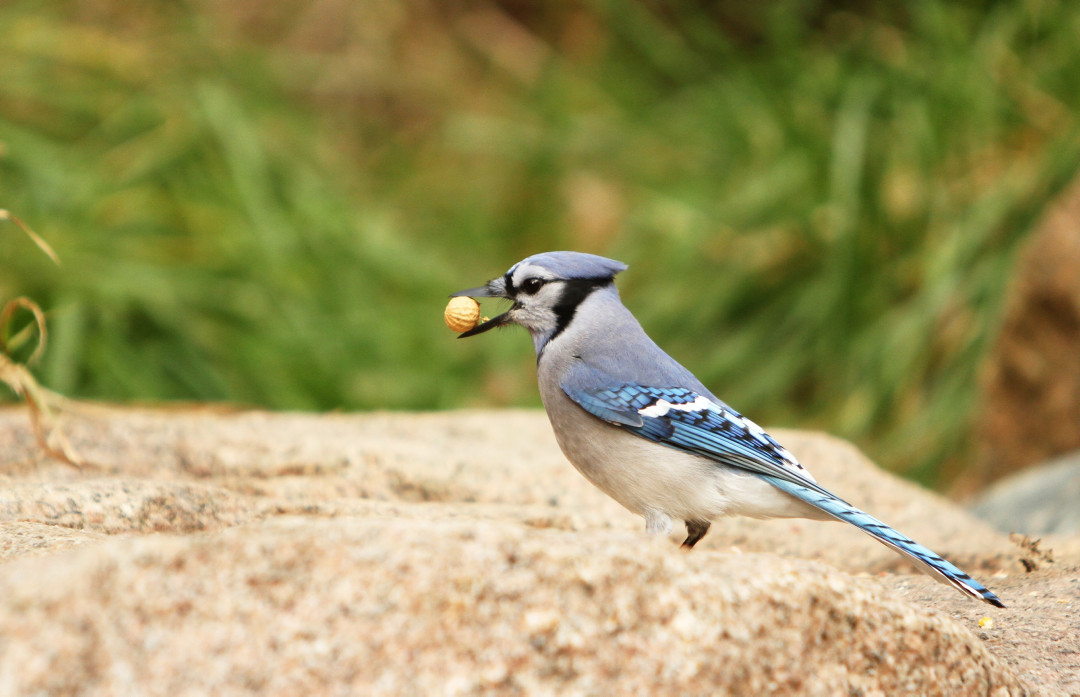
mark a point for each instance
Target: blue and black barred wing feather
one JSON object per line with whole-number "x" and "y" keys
{"x": 683, "y": 419}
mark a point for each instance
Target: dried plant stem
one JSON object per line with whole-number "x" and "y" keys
{"x": 41, "y": 243}
{"x": 42, "y": 403}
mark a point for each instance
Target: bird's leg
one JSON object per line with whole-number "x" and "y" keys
{"x": 658, "y": 523}
{"x": 695, "y": 530}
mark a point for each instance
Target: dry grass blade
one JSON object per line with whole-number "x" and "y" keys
{"x": 40, "y": 401}
{"x": 39, "y": 322}
{"x": 37, "y": 239}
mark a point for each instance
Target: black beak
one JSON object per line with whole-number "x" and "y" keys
{"x": 487, "y": 291}
{"x": 496, "y": 321}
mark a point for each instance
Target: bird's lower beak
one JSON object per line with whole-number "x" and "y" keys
{"x": 496, "y": 321}
{"x": 491, "y": 290}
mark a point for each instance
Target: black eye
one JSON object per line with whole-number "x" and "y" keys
{"x": 531, "y": 285}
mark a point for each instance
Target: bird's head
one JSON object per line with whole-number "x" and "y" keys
{"x": 545, "y": 290}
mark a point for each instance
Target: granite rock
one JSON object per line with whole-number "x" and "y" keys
{"x": 208, "y": 551}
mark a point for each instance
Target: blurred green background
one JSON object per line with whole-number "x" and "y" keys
{"x": 268, "y": 203}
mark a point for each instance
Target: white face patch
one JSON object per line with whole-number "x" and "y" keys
{"x": 662, "y": 407}
{"x": 546, "y": 301}
{"x": 535, "y": 311}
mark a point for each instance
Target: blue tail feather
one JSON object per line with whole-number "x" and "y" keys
{"x": 936, "y": 566}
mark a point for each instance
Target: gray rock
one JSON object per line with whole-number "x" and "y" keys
{"x": 1039, "y": 501}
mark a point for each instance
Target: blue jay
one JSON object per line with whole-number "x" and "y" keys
{"x": 645, "y": 431}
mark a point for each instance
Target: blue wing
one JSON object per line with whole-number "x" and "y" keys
{"x": 686, "y": 420}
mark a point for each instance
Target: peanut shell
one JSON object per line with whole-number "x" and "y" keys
{"x": 462, "y": 314}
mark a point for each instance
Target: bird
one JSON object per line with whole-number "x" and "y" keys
{"x": 644, "y": 430}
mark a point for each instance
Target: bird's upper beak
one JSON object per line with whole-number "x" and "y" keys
{"x": 493, "y": 289}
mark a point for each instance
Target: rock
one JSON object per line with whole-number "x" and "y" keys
{"x": 21, "y": 539}
{"x": 1037, "y": 501}
{"x": 114, "y": 506}
{"x": 1030, "y": 383}
{"x": 211, "y": 551}
{"x": 333, "y": 464}
{"x": 391, "y": 607}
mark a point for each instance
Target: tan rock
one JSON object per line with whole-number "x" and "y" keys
{"x": 21, "y": 539}
{"x": 117, "y": 506}
{"x": 460, "y": 551}
{"x": 396, "y": 607}
{"x": 313, "y": 463}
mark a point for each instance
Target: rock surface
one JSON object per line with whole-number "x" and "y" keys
{"x": 208, "y": 552}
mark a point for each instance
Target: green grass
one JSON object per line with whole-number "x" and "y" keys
{"x": 820, "y": 203}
